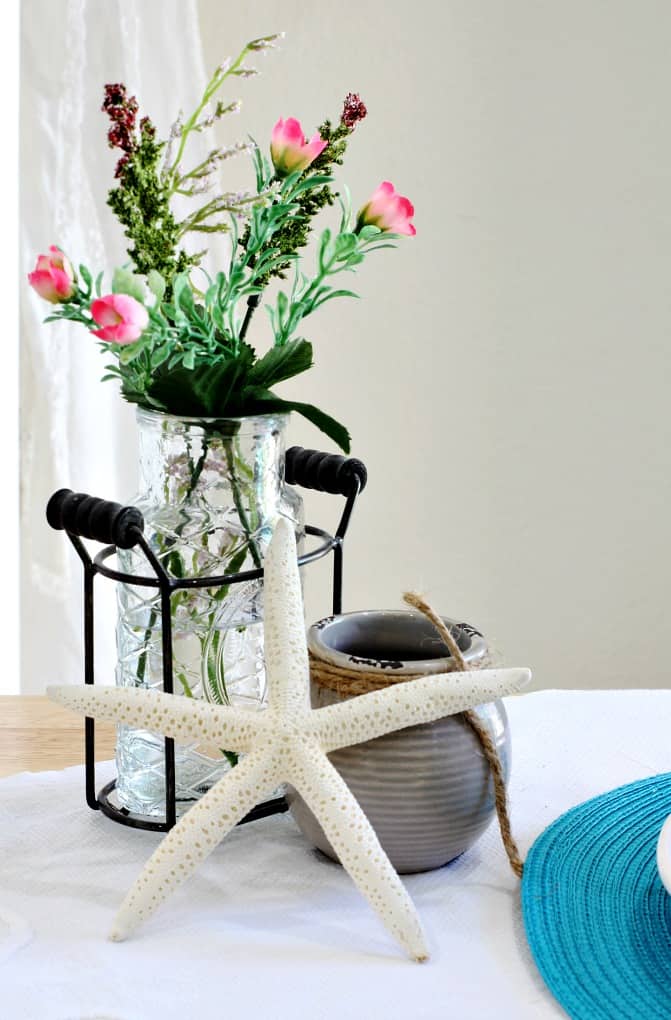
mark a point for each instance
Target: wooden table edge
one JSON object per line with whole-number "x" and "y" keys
{"x": 37, "y": 735}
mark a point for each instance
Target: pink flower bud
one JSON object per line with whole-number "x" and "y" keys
{"x": 121, "y": 317}
{"x": 289, "y": 149}
{"x": 53, "y": 276}
{"x": 387, "y": 210}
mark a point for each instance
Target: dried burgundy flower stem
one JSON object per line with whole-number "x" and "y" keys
{"x": 354, "y": 110}
{"x": 122, "y": 110}
{"x": 147, "y": 128}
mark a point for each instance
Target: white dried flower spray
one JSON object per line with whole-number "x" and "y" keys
{"x": 201, "y": 179}
{"x": 176, "y": 129}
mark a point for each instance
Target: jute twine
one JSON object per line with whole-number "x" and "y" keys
{"x": 350, "y": 683}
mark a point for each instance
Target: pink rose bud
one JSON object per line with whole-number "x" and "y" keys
{"x": 121, "y": 317}
{"x": 387, "y": 210}
{"x": 53, "y": 276}
{"x": 289, "y": 148}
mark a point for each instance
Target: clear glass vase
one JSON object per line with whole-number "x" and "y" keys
{"x": 210, "y": 491}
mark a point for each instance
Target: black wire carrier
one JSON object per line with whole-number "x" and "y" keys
{"x": 121, "y": 527}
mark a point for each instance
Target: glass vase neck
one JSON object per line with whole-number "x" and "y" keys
{"x": 187, "y": 459}
{"x": 248, "y": 425}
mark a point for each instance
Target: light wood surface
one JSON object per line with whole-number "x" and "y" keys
{"x": 37, "y": 735}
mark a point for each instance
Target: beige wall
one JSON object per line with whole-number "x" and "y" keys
{"x": 506, "y": 375}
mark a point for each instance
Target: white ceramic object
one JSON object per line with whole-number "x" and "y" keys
{"x": 664, "y": 854}
{"x": 288, "y": 742}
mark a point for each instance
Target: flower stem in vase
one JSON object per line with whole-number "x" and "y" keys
{"x": 176, "y": 566}
{"x": 237, "y": 500}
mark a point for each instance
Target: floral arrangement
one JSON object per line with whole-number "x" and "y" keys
{"x": 177, "y": 336}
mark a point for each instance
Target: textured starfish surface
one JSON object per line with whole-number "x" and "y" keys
{"x": 288, "y": 742}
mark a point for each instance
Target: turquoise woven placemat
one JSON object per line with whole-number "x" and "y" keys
{"x": 597, "y": 917}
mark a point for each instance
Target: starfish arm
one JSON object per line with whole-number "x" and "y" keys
{"x": 358, "y": 848}
{"x": 194, "y": 837}
{"x": 185, "y": 719}
{"x": 284, "y": 625}
{"x": 409, "y": 704}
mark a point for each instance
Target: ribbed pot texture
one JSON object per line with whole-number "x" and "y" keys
{"x": 427, "y": 790}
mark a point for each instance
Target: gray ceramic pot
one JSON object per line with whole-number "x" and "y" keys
{"x": 426, "y": 790}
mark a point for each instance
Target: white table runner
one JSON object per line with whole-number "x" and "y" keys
{"x": 269, "y": 929}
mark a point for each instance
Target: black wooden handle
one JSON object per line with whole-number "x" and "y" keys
{"x": 91, "y": 517}
{"x": 325, "y": 472}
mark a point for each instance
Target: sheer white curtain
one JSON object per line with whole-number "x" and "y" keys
{"x": 9, "y": 441}
{"x": 76, "y": 431}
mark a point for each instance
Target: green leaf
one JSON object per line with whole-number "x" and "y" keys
{"x": 325, "y": 423}
{"x": 261, "y": 167}
{"x": 333, "y": 294}
{"x": 317, "y": 181}
{"x": 86, "y": 277}
{"x": 324, "y": 242}
{"x": 375, "y": 247}
{"x": 208, "y": 390}
{"x": 156, "y": 284}
{"x": 345, "y": 203}
{"x": 281, "y": 363}
{"x": 99, "y": 283}
{"x": 267, "y": 402}
{"x": 129, "y": 352}
{"x": 158, "y": 356}
{"x": 368, "y": 232}
{"x": 345, "y": 244}
{"x": 282, "y": 306}
{"x": 289, "y": 183}
{"x": 183, "y": 295}
{"x": 125, "y": 282}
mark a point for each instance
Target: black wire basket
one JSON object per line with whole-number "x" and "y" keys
{"x": 121, "y": 527}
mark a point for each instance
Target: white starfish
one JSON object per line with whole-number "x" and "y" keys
{"x": 288, "y": 742}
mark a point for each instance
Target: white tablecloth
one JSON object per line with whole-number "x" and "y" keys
{"x": 269, "y": 929}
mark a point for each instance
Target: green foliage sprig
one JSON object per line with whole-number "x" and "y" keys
{"x": 151, "y": 173}
{"x": 141, "y": 203}
{"x": 315, "y": 196}
{"x": 193, "y": 360}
